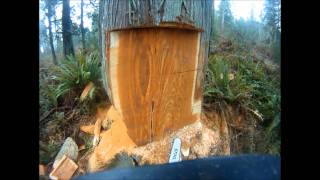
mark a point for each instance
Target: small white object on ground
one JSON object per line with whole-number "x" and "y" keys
{"x": 175, "y": 151}
{"x": 96, "y": 140}
{"x": 185, "y": 152}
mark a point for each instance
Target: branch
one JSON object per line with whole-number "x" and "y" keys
{"x": 42, "y": 119}
{"x": 93, "y": 3}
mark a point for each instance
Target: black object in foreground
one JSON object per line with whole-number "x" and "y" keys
{"x": 225, "y": 167}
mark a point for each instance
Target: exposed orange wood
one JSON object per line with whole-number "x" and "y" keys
{"x": 112, "y": 141}
{"x": 65, "y": 169}
{"x": 154, "y": 76}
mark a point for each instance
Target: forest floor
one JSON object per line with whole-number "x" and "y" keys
{"x": 204, "y": 138}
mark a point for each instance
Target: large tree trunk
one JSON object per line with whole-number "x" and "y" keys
{"x": 67, "y": 29}
{"x": 82, "y": 29}
{"x": 54, "y": 58}
{"x": 153, "y": 58}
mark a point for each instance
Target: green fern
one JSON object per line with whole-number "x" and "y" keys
{"x": 253, "y": 87}
{"x": 75, "y": 73}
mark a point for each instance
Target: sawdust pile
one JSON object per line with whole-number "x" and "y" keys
{"x": 198, "y": 140}
{"x": 206, "y": 137}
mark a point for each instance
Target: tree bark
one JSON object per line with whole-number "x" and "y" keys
{"x": 82, "y": 28}
{"x": 67, "y": 29}
{"x": 54, "y": 58}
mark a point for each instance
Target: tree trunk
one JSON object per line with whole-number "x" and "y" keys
{"x": 82, "y": 29}
{"x": 153, "y": 58}
{"x": 211, "y": 46}
{"x": 67, "y": 29}
{"x": 54, "y": 58}
{"x": 222, "y": 22}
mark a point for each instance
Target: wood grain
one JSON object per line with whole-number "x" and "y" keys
{"x": 65, "y": 169}
{"x": 185, "y": 14}
{"x": 153, "y": 74}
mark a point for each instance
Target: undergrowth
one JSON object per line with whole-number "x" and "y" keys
{"x": 252, "y": 86}
{"x": 62, "y": 85}
{"x": 72, "y": 89}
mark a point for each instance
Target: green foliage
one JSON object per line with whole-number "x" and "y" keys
{"x": 75, "y": 73}
{"x": 47, "y": 96}
{"x": 48, "y": 154}
{"x": 220, "y": 86}
{"x": 253, "y": 87}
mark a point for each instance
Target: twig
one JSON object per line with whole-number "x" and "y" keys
{"x": 42, "y": 119}
{"x": 255, "y": 113}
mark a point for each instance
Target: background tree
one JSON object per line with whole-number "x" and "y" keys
{"x": 50, "y": 4}
{"x": 212, "y": 30}
{"x": 43, "y": 39}
{"x": 225, "y": 15}
{"x": 81, "y": 27}
{"x": 271, "y": 18}
{"x": 67, "y": 29}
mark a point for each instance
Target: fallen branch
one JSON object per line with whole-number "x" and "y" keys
{"x": 42, "y": 119}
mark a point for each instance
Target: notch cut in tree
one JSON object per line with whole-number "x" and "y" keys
{"x": 153, "y": 57}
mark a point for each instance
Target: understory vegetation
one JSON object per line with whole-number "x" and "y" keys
{"x": 69, "y": 95}
{"x": 252, "y": 87}
{"x": 243, "y": 77}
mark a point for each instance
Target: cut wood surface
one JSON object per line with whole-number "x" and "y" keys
{"x": 64, "y": 170}
{"x": 152, "y": 75}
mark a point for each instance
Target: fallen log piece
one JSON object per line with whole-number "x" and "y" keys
{"x": 64, "y": 170}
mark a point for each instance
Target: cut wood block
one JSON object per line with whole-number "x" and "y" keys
{"x": 64, "y": 170}
{"x": 42, "y": 170}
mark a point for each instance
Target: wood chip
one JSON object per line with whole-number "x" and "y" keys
{"x": 42, "y": 170}
{"x": 64, "y": 170}
{"x": 82, "y": 147}
{"x": 185, "y": 151}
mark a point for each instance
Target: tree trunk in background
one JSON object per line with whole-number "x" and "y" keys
{"x": 154, "y": 54}
{"x": 67, "y": 29}
{"x": 54, "y": 58}
{"x": 211, "y": 30}
{"x": 82, "y": 29}
{"x": 222, "y": 23}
